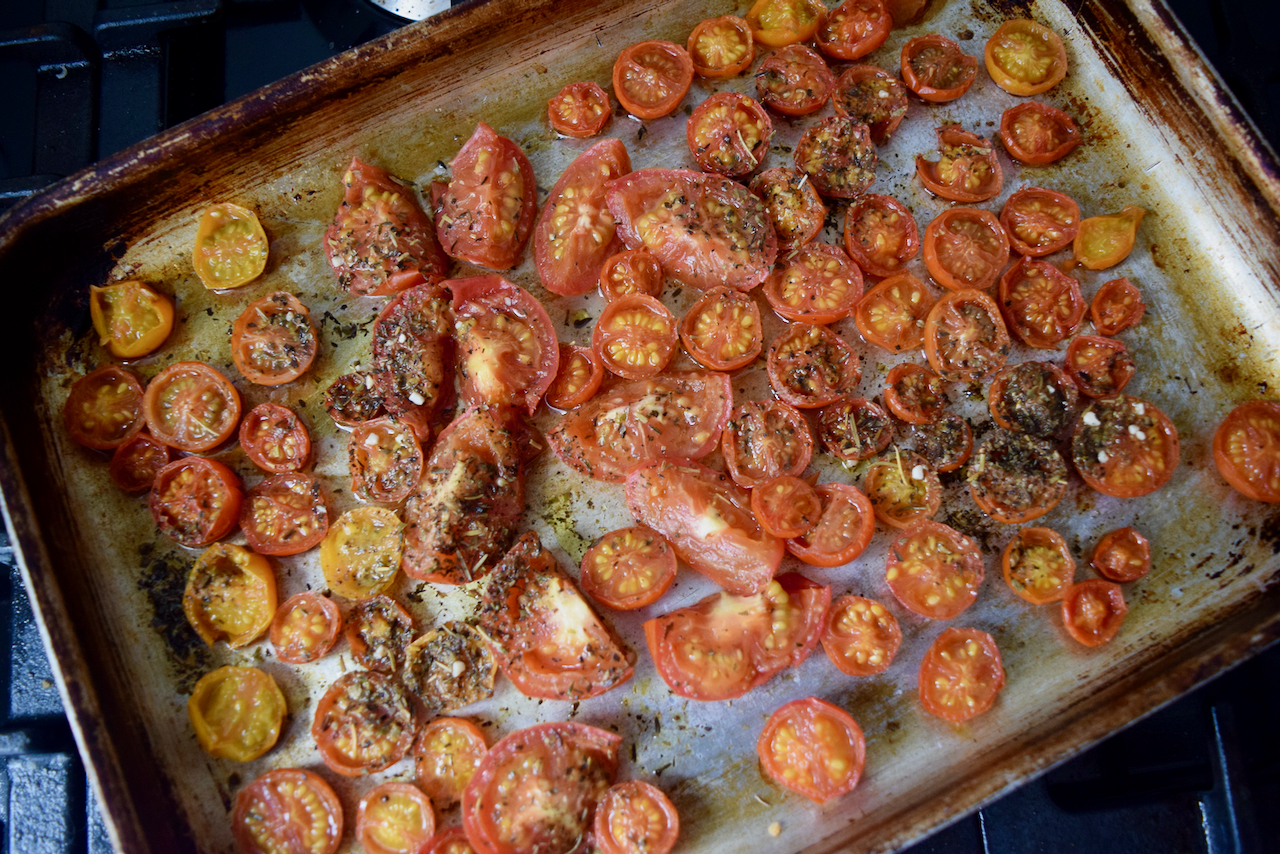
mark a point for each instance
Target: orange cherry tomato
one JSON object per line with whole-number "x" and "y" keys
{"x": 854, "y": 429}
{"x": 786, "y": 506}
{"x": 230, "y": 595}
{"x": 360, "y": 556}
{"x": 1116, "y": 306}
{"x": 729, "y": 134}
{"x": 1039, "y": 222}
{"x": 721, "y": 47}
{"x": 1025, "y": 58}
{"x": 1037, "y": 134}
{"x": 628, "y": 569}
{"x": 1038, "y": 565}
{"x": 967, "y": 169}
{"x": 945, "y": 443}
{"x": 838, "y": 156}
{"x": 236, "y": 712}
{"x": 965, "y": 338}
{"x": 636, "y": 816}
{"x": 813, "y": 748}
{"x": 385, "y": 461}
{"x": 305, "y": 628}
{"x": 284, "y": 514}
{"x": 794, "y": 81}
{"x": 287, "y": 809}
{"x": 379, "y": 630}
{"x": 934, "y": 67}
{"x": 273, "y": 341}
{"x": 1015, "y": 478}
{"x": 275, "y": 439}
{"x": 632, "y": 271}
{"x": 1105, "y": 241}
{"x": 577, "y": 379}
{"x": 1124, "y": 446}
{"x": 580, "y": 110}
{"x": 892, "y": 314}
{"x": 192, "y": 407}
{"x": 1042, "y": 305}
{"x": 131, "y": 318}
{"x": 1122, "y": 555}
{"x": 1101, "y": 367}
{"x": 763, "y": 440}
{"x": 1246, "y": 450}
{"x": 394, "y": 818}
{"x": 135, "y": 464}
{"x": 1093, "y": 611}
{"x": 961, "y": 675}
{"x": 934, "y": 570}
{"x": 778, "y": 23}
{"x": 650, "y": 79}
{"x": 965, "y": 248}
{"x": 445, "y": 757}
{"x": 1033, "y": 397}
{"x": 854, "y": 29}
{"x": 915, "y": 394}
{"x": 861, "y": 636}
{"x": 811, "y": 366}
{"x": 817, "y": 283}
{"x": 843, "y": 531}
{"x": 880, "y": 234}
{"x": 635, "y": 336}
{"x": 904, "y": 489}
{"x": 105, "y": 408}
{"x": 722, "y": 330}
{"x": 230, "y": 248}
{"x": 195, "y": 501}
{"x": 364, "y": 723}
{"x": 792, "y": 204}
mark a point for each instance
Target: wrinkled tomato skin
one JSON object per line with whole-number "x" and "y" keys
{"x": 1116, "y": 306}
{"x": 1122, "y": 555}
{"x": 1246, "y": 450}
{"x": 794, "y": 81}
{"x": 1131, "y": 450}
{"x": 196, "y": 501}
{"x": 935, "y": 69}
{"x": 490, "y": 174}
{"x": 1093, "y": 611}
{"x": 1037, "y": 134}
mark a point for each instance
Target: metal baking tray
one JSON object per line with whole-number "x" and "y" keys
{"x": 1161, "y": 133}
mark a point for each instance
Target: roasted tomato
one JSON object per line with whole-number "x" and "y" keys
{"x": 236, "y": 712}
{"x": 792, "y": 204}
{"x": 451, "y": 840}
{"x": 636, "y": 816}
{"x": 579, "y": 110}
{"x": 854, "y": 429}
{"x": 1124, "y": 446}
{"x": 1015, "y": 478}
{"x": 385, "y": 461}
{"x": 813, "y": 748}
{"x": 961, "y": 675}
{"x": 305, "y": 628}
{"x": 945, "y": 444}
{"x": 273, "y": 341}
{"x": 795, "y": 81}
{"x": 967, "y": 169}
{"x": 1093, "y": 611}
{"x": 1039, "y": 222}
{"x": 1033, "y": 397}
{"x": 904, "y": 489}
{"x": 765, "y": 439}
{"x": 230, "y": 595}
{"x": 707, "y": 520}
{"x": 275, "y": 439}
{"x": 507, "y": 349}
{"x": 105, "y": 408}
{"x": 1037, "y": 134}
{"x": 131, "y": 318}
{"x": 725, "y": 645}
{"x": 1246, "y": 450}
{"x": 861, "y": 636}
{"x": 892, "y": 314}
{"x": 777, "y": 23}
{"x": 671, "y": 415}
{"x": 450, "y": 667}
{"x": 230, "y": 248}
{"x": 880, "y": 234}
{"x": 628, "y": 569}
{"x": 445, "y": 758}
{"x": 354, "y": 398}
{"x": 1025, "y": 58}
{"x": 379, "y": 630}
{"x": 1101, "y": 367}
{"x": 635, "y": 336}
{"x": 1105, "y": 241}
{"x": 705, "y": 230}
{"x": 843, "y": 530}
{"x": 284, "y": 515}
{"x": 811, "y": 366}
{"x": 381, "y": 241}
{"x": 575, "y": 233}
{"x": 632, "y": 271}
{"x": 818, "y": 283}
{"x": 1038, "y": 565}
{"x": 413, "y": 355}
{"x": 195, "y": 501}
{"x": 364, "y": 723}
{"x": 1116, "y": 306}
{"x": 935, "y": 69}
{"x": 486, "y": 213}
{"x": 838, "y": 157}
{"x": 729, "y": 134}
{"x": 934, "y": 570}
{"x": 915, "y": 394}
{"x": 721, "y": 47}
{"x": 191, "y": 406}
{"x": 394, "y": 818}
{"x": 786, "y": 506}
{"x": 287, "y": 809}
{"x": 854, "y": 29}
{"x": 871, "y": 96}
{"x": 1122, "y": 555}
{"x": 537, "y": 789}
{"x": 651, "y": 78}
{"x": 722, "y": 330}
{"x": 135, "y": 464}
{"x": 360, "y": 555}
{"x": 965, "y": 248}
{"x": 965, "y": 338}
{"x": 1042, "y": 305}
{"x": 577, "y": 378}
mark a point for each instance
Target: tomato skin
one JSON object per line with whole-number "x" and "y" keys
{"x": 1124, "y": 446}
{"x": 838, "y": 156}
{"x": 631, "y": 271}
{"x": 811, "y": 366}
{"x": 580, "y": 110}
{"x": 272, "y": 814}
{"x": 794, "y": 81}
{"x": 1042, "y": 305}
{"x": 763, "y": 440}
{"x": 195, "y": 501}
{"x": 1101, "y": 367}
{"x": 578, "y": 377}
{"x": 284, "y": 514}
{"x": 230, "y": 595}
{"x": 385, "y": 461}
{"x": 650, "y": 78}
{"x": 236, "y": 712}
{"x": 843, "y": 531}
{"x": 778, "y": 23}
{"x": 230, "y": 248}
{"x": 445, "y": 758}
{"x": 967, "y": 169}
{"x": 786, "y": 506}
{"x": 275, "y": 438}
{"x": 1040, "y": 222}
{"x": 1122, "y": 555}
{"x": 854, "y": 29}
{"x": 105, "y": 408}
{"x": 861, "y": 636}
{"x": 635, "y": 337}
{"x": 1104, "y": 241}
{"x": 915, "y": 394}
{"x": 1015, "y": 478}
{"x": 880, "y": 234}
{"x": 871, "y": 96}
{"x": 360, "y": 556}
{"x": 407, "y": 824}
{"x": 805, "y": 741}
{"x": 961, "y": 675}
{"x": 1093, "y": 611}
{"x": 1033, "y": 397}
{"x": 934, "y": 570}
{"x": 934, "y": 68}
{"x": 965, "y": 248}
{"x": 729, "y": 134}
{"x": 491, "y": 175}
{"x": 131, "y": 318}
{"x": 636, "y": 816}
{"x": 1025, "y": 58}
{"x": 1246, "y": 450}
{"x": 1116, "y": 306}
{"x": 793, "y": 206}
{"x": 1037, "y": 134}
{"x": 364, "y": 723}
{"x": 354, "y": 398}
{"x": 854, "y": 429}
{"x": 965, "y": 338}
{"x": 191, "y": 406}
{"x": 1038, "y": 565}
{"x": 451, "y": 840}
{"x": 628, "y": 569}
{"x": 413, "y": 356}
{"x": 892, "y": 314}
{"x": 137, "y": 461}
{"x": 722, "y": 330}
{"x": 273, "y": 341}
{"x": 721, "y": 47}
{"x": 818, "y": 284}
{"x": 903, "y": 489}
{"x": 305, "y": 628}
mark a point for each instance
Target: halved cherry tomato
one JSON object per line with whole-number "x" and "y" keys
{"x": 1037, "y": 134}
{"x": 1246, "y": 450}
{"x": 635, "y": 336}
{"x": 195, "y": 501}
{"x": 729, "y": 134}
{"x": 305, "y": 628}
{"x": 1015, "y": 478}
{"x": 632, "y": 271}
{"x": 354, "y": 398}
{"x": 871, "y": 96}
{"x": 636, "y": 816}
{"x": 818, "y": 283}
{"x": 813, "y": 748}
{"x": 379, "y": 630}
{"x": 575, "y": 233}
{"x": 811, "y": 366}
{"x": 486, "y": 214}
{"x": 880, "y": 234}
{"x": 230, "y": 248}
{"x": 1101, "y": 367}
{"x": 892, "y": 314}
{"x": 705, "y": 230}
{"x": 965, "y": 338}
{"x": 786, "y": 506}
{"x": 288, "y": 809}
{"x": 1042, "y": 305}
{"x": 915, "y": 394}
{"x": 778, "y": 23}
{"x": 1093, "y": 611}
{"x": 843, "y": 530}
{"x": 413, "y": 356}
{"x": 1105, "y": 241}
{"x": 236, "y": 712}
{"x": 449, "y": 667}
{"x": 1025, "y": 58}
{"x": 628, "y": 568}
{"x": 360, "y": 555}
{"x": 792, "y": 204}
{"x": 679, "y": 414}
{"x": 284, "y": 514}
{"x": 1122, "y": 555}
{"x": 1124, "y": 446}
{"x": 838, "y": 156}
{"x": 961, "y": 675}
{"x": 965, "y": 248}
{"x": 903, "y": 489}
{"x": 275, "y": 439}
{"x": 1039, "y": 222}
{"x": 721, "y": 47}
{"x": 935, "y": 69}
{"x": 507, "y": 350}
{"x": 364, "y": 723}
{"x": 966, "y": 170}
{"x": 577, "y": 379}
{"x": 580, "y": 109}
{"x": 445, "y": 758}
{"x": 1038, "y": 565}
{"x": 795, "y": 81}
{"x": 105, "y": 408}
{"x": 394, "y": 818}
{"x": 934, "y": 570}
{"x": 137, "y": 461}
{"x": 385, "y": 461}
{"x": 763, "y": 440}
{"x": 725, "y": 645}
{"x": 861, "y": 636}
{"x": 650, "y": 79}
{"x": 722, "y": 330}
{"x": 131, "y": 318}
{"x": 273, "y": 341}
{"x": 1116, "y": 306}
{"x": 230, "y": 595}
{"x": 854, "y": 429}
{"x": 854, "y": 29}
{"x": 451, "y": 840}
{"x": 191, "y": 406}
{"x": 1033, "y": 397}
{"x": 946, "y": 443}
{"x": 708, "y": 521}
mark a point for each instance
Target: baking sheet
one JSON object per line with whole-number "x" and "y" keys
{"x": 1209, "y": 341}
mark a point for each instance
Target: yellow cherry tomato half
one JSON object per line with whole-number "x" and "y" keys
{"x": 1105, "y": 241}
{"x": 231, "y": 247}
{"x": 236, "y": 712}
{"x": 1025, "y": 58}
{"x": 230, "y": 595}
{"x": 130, "y": 318}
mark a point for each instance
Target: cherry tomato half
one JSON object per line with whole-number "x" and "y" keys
{"x": 230, "y": 248}
{"x": 722, "y": 331}
{"x": 1033, "y": 397}
{"x": 1042, "y": 305}
{"x": 892, "y": 314}
{"x": 786, "y": 506}
{"x": 628, "y": 569}
{"x": 854, "y": 29}
{"x": 379, "y": 630}
{"x": 275, "y": 438}
{"x": 763, "y": 440}
{"x": 934, "y": 570}
{"x": 445, "y": 758}
{"x": 811, "y": 366}
{"x": 1039, "y": 222}
{"x": 354, "y": 398}
{"x": 843, "y": 531}
{"x": 448, "y": 668}
{"x": 1015, "y": 478}
{"x": 813, "y": 748}
{"x": 965, "y": 338}
{"x": 871, "y": 96}
{"x": 818, "y": 283}
{"x": 794, "y": 81}
{"x": 861, "y": 636}
{"x": 1101, "y": 367}
{"x": 946, "y": 444}
{"x": 195, "y": 501}
{"x": 1124, "y": 446}
{"x": 854, "y": 429}
{"x": 1105, "y": 241}
{"x": 135, "y": 464}
{"x": 1246, "y": 450}
{"x": 838, "y": 156}
{"x": 880, "y": 234}
{"x": 287, "y": 809}
{"x": 230, "y": 595}
{"x": 965, "y": 248}
{"x": 105, "y": 408}
{"x": 385, "y": 461}
{"x": 934, "y": 67}
{"x": 360, "y": 556}
{"x": 577, "y": 379}
{"x": 305, "y": 628}
{"x": 131, "y": 318}
{"x": 273, "y": 341}
{"x": 284, "y": 514}
{"x": 1116, "y": 306}
{"x": 364, "y": 723}
{"x": 1122, "y": 555}
{"x": 650, "y": 79}
{"x": 236, "y": 712}
{"x": 632, "y": 271}
{"x": 1093, "y": 611}
{"x": 792, "y": 204}
{"x": 1025, "y": 58}
{"x": 915, "y": 394}
{"x": 961, "y": 675}
{"x": 636, "y": 816}
{"x": 1037, "y": 134}
{"x": 579, "y": 110}
{"x": 778, "y": 23}
{"x": 904, "y": 489}
{"x": 394, "y": 818}
{"x": 191, "y": 406}
{"x": 721, "y": 47}
{"x": 967, "y": 169}
{"x": 1038, "y": 565}
{"x": 635, "y": 336}
{"x": 729, "y": 134}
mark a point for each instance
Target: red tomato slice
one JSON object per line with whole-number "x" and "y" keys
{"x": 379, "y": 631}
{"x": 843, "y": 530}
{"x": 1025, "y": 58}
{"x": 961, "y": 675}
{"x": 1038, "y": 565}
{"x": 105, "y": 408}
{"x": 632, "y": 271}
{"x": 795, "y": 81}
{"x": 445, "y": 758}
{"x": 651, "y": 78}
{"x": 934, "y": 67}
{"x": 628, "y": 569}
{"x": 364, "y": 723}
{"x": 486, "y": 214}
{"x": 891, "y": 315}
{"x": 284, "y": 515}
{"x": 722, "y": 330}
{"x": 729, "y": 134}
{"x": 967, "y": 169}
{"x": 854, "y": 429}
{"x": 1122, "y": 555}
{"x": 579, "y": 110}
{"x": 811, "y": 366}
{"x": 786, "y": 506}
{"x": 636, "y": 816}
{"x": 394, "y": 818}
{"x": 965, "y": 248}
{"x": 861, "y": 636}
{"x": 1246, "y": 450}
{"x": 813, "y": 748}
{"x": 191, "y": 407}
{"x": 1093, "y": 611}
{"x": 965, "y": 338}
{"x": 707, "y": 520}
{"x": 904, "y": 489}
{"x": 705, "y": 230}
{"x": 635, "y": 337}
{"x": 275, "y": 439}
{"x": 721, "y": 47}
{"x": 794, "y": 207}
{"x": 273, "y": 341}
{"x": 818, "y": 283}
{"x": 854, "y": 29}
{"x": 1104, "y": 241}
{"x": 575, "y": 233}
{"x": 1124, "y": 446}
{"x": 1117, "y": 306}
{"x": 1039, "y": 222}
{"x": 1033, "y": 397}
{"x": 1042, "y": 305}
{"x": 1037, "y": 134}
{"x": 679, "y": 414}
{"x": 135, "y": 464}
{"x": 1015, "y": 478}
{"x": 195, "y": 501}
{"x": 413, "y": 356}
{"x": 934, "y": 570}
{"x": 287, "y": 809}
{"x": 385, "y": 461}
{"x": 1101, "y": 367}
{"x": 880, "y": 234}
{"x": 783, "y": 22}
{"x": 915, "y": 394}
{"x": 945, "y": 444}
{"x": 838, "y": 157}
{"x": 871, "y": 96}
{"x": 578, "y": 377}
{"x": 305, "y": 628}
{"x": 765, "y": 439}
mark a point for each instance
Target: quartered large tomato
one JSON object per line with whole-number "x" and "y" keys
{"x": 486, "y": 213}
{"x": 230, "y": 595}
{"x": 288, "y": 809}
{"x": 273, "y": 341}
{"x": 413, "y": 355}
{"x": 729, "y": 134}
{"x": 966, "y": 170}
{"x": 793, "y": 205}
{"x": 1246, "y": 450}
{"x": 191, "y": 406}
{"x": 813, "y": 748}
{"x": 507, "y": 348}
{"x": 364, "y": 723}
{"x": 764, "y": 439}
{"x": 105, "y": 408}
{"x": 794, "y": 81}
{"x": 651, "y": 78}
{"x": 1124, "y": 446}
{"x": 961, "y": 675}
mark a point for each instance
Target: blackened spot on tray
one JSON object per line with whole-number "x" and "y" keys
{"x": 163, "y": 580}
